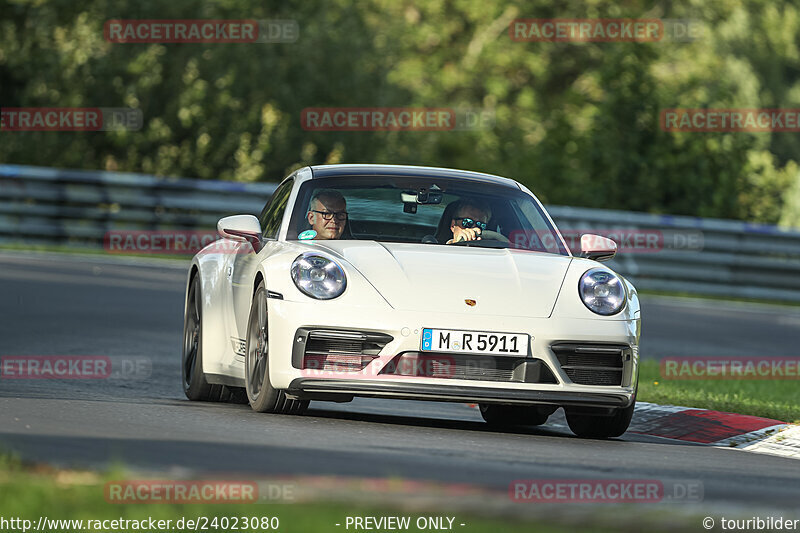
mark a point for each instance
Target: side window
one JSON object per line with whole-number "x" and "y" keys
{"x": 272, "y": 215}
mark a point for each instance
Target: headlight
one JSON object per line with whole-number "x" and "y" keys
{"x": 318, "y": 277}
{"x": 601, "y": 291}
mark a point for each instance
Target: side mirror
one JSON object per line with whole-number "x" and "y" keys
{"x": 241, "y": 228}
{"x": 597, "y": 247}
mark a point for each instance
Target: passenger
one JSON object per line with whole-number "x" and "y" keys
{"x": 327, "y": 214}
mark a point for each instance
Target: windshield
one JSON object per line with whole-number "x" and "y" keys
{"x": 421, "y": 210}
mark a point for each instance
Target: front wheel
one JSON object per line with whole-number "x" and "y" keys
{"x": 195, "y": 385}
{"x": 601, "y": 427}
{"x": 263, "y": 397}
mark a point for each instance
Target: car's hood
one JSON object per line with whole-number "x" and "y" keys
{"x": 440, "y": 278}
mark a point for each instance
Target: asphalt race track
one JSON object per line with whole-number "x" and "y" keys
{"x": 82, "y": 305}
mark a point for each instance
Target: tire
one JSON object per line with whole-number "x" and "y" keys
{"x": 261, "y": 395}
{"x": 601, "y": 426}
{"x": 194, "y": 381}
{"x": 511, "y": 415}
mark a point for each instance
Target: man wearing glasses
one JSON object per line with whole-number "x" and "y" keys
{"x": 471, "y": 218}
{"x": 327, "y": 214}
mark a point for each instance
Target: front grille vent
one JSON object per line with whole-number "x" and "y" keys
{"x": 469, "y": 367}
{"x": 336, "y": 350}
{"x": 452, "y": 366}
{"x": 600, "y": 364}
{"x": 336, "y": 363}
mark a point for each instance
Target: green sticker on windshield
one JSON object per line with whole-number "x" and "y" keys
{"x": 306, "y": 235}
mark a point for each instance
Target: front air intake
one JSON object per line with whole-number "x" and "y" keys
{"x": 336, "y": 350}
{"x": 594, "y": 364}
{"x": 469, "y": 367}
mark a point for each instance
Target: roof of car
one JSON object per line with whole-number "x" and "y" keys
{"x": 325, "y": 171}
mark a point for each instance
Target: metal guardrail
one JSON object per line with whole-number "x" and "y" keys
{"x": 76, "y": 208}
{"x": 728, "y": 258}
{"x": 41, "y": 205}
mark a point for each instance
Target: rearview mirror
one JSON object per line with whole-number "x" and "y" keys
{"x": 597, "y": 247}
{"x": 241, "y": 228}
{"x": 424, "y": 197}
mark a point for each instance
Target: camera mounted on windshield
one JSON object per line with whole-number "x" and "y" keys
{"x": 424, "y": 196}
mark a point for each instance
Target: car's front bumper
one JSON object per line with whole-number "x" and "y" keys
{"x": 331, "y": 389}
{"x": 287, "y": 318}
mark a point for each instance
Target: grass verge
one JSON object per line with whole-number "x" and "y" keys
{"x": 32, "y": 492}
{"x": 770, "y": 398}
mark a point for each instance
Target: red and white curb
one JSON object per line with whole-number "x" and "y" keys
{"x": 716, "y": 428}
{"x": 713, "y": 428}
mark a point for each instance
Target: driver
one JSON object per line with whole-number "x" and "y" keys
{"x": 327, "y": 214}
{"x": 470, "y": 218}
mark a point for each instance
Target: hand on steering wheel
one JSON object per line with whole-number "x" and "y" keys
{"x": 466, "y": 234}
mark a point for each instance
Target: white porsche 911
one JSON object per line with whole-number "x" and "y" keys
{"x": 412, "y": 283}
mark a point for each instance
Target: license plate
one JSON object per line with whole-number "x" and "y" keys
{"x": 481, "y": 342}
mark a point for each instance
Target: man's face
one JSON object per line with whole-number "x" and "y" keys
{"x": 327, "y": 229}
{"x": 468, "y": 211}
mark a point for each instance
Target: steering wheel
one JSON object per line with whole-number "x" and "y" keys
{"x": 497, "y": 240}
{"x": 490, "y": 235}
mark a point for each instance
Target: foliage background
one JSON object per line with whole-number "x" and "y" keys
{"x": 577, "y": 122}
